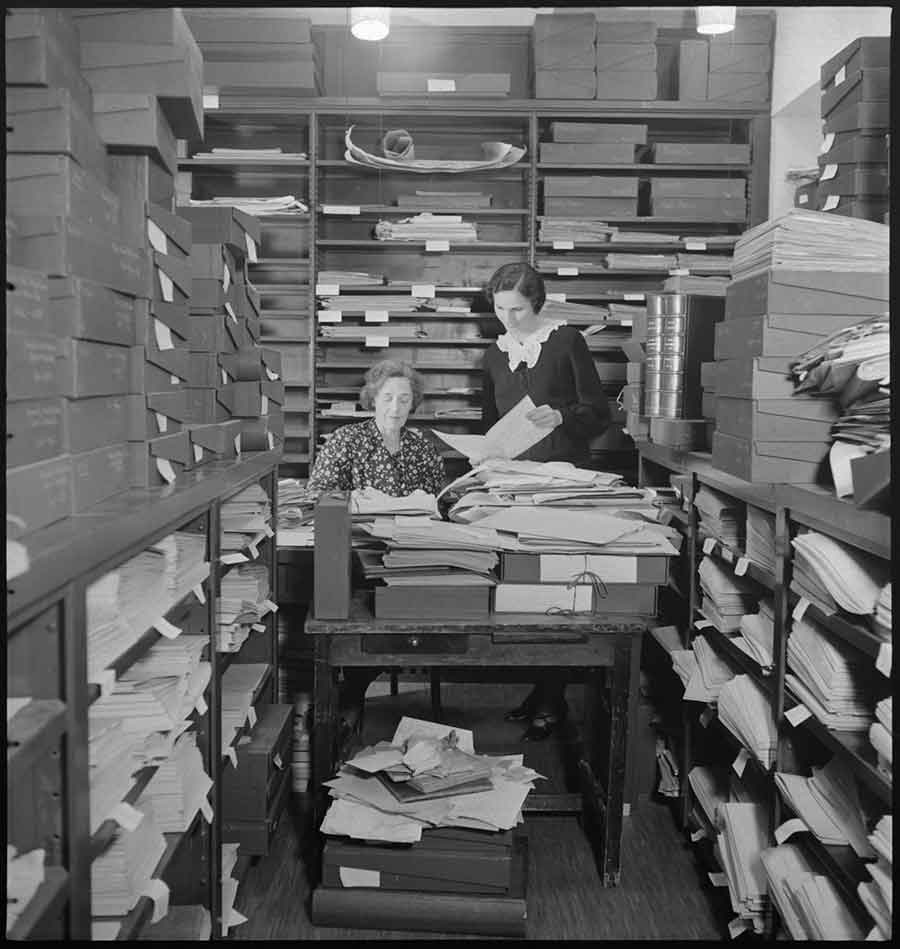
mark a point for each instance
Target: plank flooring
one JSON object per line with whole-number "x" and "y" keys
{"x": 663, "y": 894}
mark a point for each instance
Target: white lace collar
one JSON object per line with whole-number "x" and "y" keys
{"x": 528, "y": 351}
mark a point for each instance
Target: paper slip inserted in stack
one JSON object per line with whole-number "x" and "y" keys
{"x": 711, "y": 674}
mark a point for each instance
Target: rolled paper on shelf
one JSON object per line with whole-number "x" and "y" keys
{"x": 398, "y": 143}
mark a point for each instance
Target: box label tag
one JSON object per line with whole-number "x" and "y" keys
{"x": 788, "y": 829}
{"x": 351, "y": 209}
{"x": 634, "y": 296}
{"x": 884, "y": 660}
{"x": 166, "y": 471}
{"x": 827, "y": 143}
{"x": 694, "y": 245}
{"x": 377, "y": 316}
{"x": 433, "y": 246}
{"x": 441, "y": 85}
{"x": 828, "y": 172}
{"x": 327, "y": 290}
{"x": 377, "y": 342}
{"x": 198, "y": 453}
{"x": 329, "y": 316}
{"x": 251, "y": 248}
{"x": 709, "y": 545}
{"x": 739, "y": 763}
{"x": 801, "y": 608}
{"x": 740, "y": 568}
{"x": 831, "y": 202}
{"x": 422, "y": 290}
{"x": 166, "y": 286}
{"x": 162, "y": 423}
{"x": 557, "y": 297}
{"x": 157, "y": 237}
{"x": 564, "y": 245}
{"x": 566, "y": 271}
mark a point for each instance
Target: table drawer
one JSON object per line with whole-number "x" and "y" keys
{"x": 417, "y": 643}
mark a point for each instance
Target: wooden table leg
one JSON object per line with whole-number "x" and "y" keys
{"x": 324, "y": 730}
{"x": 437, "y": 713}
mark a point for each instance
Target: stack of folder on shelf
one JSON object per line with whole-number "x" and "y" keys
{"x": 711, "y": 674}
{"x": 242, "y": 603}
{"x": 240, "y": 684}
{"x": 808, "y": 900}
{"x": 830, "y": 677}
{"x": 684, "y": 662}
{"x": 721, "y": 516}
{"x": 181, "y": 923}
{"x": 834, "y": 575}
{"x": 745, "y": 710}
{"x": 230, "y": 916}
{"x": 357, "y": 303}
{"x": 186, "y": 566}
{"x": 596, "y": 197}
{"x": 263, "y": 154}
{"x": 884, "y": 613}
{"x": 24, "y": 876}
{"x": 726, "y": 598}
{"x": 650, "y": 262}
{"x": 760, "y": 538}
{"x": 349, "y": 278}
{"x": 295, "y": 513}
{"x": 575, "y": 229}
{"x": 881, "y": 735}
{"x": 743, "y": 837}
{"x": 757, "y": 637}
{"x": 440, "y": 200}
{"x": 257, "y": 206}
{"x": 427, "y": 227}
{"x": 827, "y": 804}
{"x": 179, "y": 788}
{"x": 877, "y": 896}
{"x": 696, "y": 286}
{"x": 121, "y": 874}
{"x": 419, "y": 821}
{"x": 245, "y": 520}
{"x": 112, "y": 761}
{"x": 151, "y": 705}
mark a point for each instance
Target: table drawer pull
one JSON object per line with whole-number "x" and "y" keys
{"x": 432, "y": 644}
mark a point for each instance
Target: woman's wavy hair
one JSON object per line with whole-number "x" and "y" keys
{"x": 386, "y": 369}
{"x": 521, "y": 277}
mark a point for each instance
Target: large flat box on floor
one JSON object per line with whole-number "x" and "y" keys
{"x": 40, "y": 494}
{"x": 539, "y": 597}
{"x": 866, "y": 116}
{"x": 615, "y": 84}
{"x": 740, "y": 57}
{"x": 866, "y": 52}
{"x": 333, "y": 875}
{"x": 50, "y": 121}
{"x": 565, "y": 84}
{"x": 590, "y": 208}
{"x": 35, "y": 431}
{"x": 131, "y": 122}
{"x": 776, "y": 420}
{"x": 856, "y": 147}
{"x": 771, "y": 335}
{"x": 640, "y": 57}
{"x": 700, "y": 209}
{"x": 701, "y": 153}
{"x": 737, "y": 87}
{"x": 764, "y": 463}
{"x": 561, "y": 568}
{"x": 464, "y": 84}
{"x": 100, "y": 474}
{"x": 97, "y": 422}
{"x": 808, "y": 292}
{"x": 727, "y": 188}
{"x": 301, "y": 77}
{"x": 31, "y": 366}
{"x": 431, "y": 602}
{"x": 693, "y": 69}
{"x": 855, "y": 180}
{"x": 584, "y": 153}
{"x": 762, "y": 377}
{"x": 595, "y": 186}
{"x": 599, "y": 133}
{"x": 868, "y": 85}
{"x": 247, "y": 790}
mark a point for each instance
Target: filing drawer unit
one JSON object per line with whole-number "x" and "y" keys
{"x": 255, "y": 836}
{"x": 249, "y": 790}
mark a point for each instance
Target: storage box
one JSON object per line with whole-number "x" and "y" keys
{"x": 176, "y": 229}
{"x": 147, "y": 377}
{"x": 27, "y": 306}
{"x": 255, "y": 837}
{"x": 681, "y": 434}
{"x": 699, "y": 209}
{"x": 856, "y": 147}
{"x": 584, "y": 153}
{"x": 615, "y": 84}
{"x": 242, "y": 399}
{"x": 725, "y": 188}
{"x": 130, "y": 122}
{"x": 331, "y": 581}
{"x": 590, "y": 186}
{"x": 301, "y": 78}
{"x": 740, "y": 57}
{"x": 165, "y": 25}
{"x": 156, "y": 413}
{"x": 590, "y": 207}
{"x": 40, "y": 494}
{"x": 622, "y": 31}
{"x": 868, "y": 85}
{"x": 797, "y": 419}
{"x": 762, "y": 377}
{"x": 175, "y": 361}
{"x": 758, "y": 462}
{"x": 809, "y": 293}
{"x": 83, "y": 309}
{"x": 224, "y": 225}
{"x": 246, "y": 364}
{"x": 565, "y": 84}
{"x": 204, "y": 370}
{"x": 598, "y": 132}
{"x": 625, "y": 57}
{"x": 700, "y": 153}
{"x": 257, "y": 434}
{"x": 203, "y": 408}
{"x": 748, "y": 28}
{"x": 709, "y": 372}
{"x": 174, "y": 286}
{"x": 805, "y": 196}
{"x": 248, "y": 790}
{"x": 176, "y": 317}
{"x": 219, "y": 27}
{"x": 737, "y": 87}
{"x": 35, "y": 431}
{"x": 855, "y": 180}
{"x": 560, "y": 37}
{"x": 861, "y": 116}
{"x": 214, "y": 441}
{"x": 439, "y": 83}
{"x": 867, "y": 52}
{"x": 31, "y": 366}
{"x": 100, "y": 474}
{"x": 870, "y": 208}
{"x": 89, "y": 369}
{"x": 693, "y": 69}
{"x": 708, "y": 405}
{"x": 139, "y": 180}
{"x": 50, "y": 121}
{"x": 97, "y": 422}
{"x": 768, "y": 335}
{"x": 208, "y": 334}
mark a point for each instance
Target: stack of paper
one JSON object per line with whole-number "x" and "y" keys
{"x": 296, "y": 512}
{"x": 711, "y": 674}
{"x": 830, "y": 677}
{"x": 760, "y": 538}
{"x": 684, "y": 662}
{"x": 438, "y": 200}
{"x": 831, "y": 574}
{"x": 878, "y": 896}
{"x": 757, "y": 637}
{"x": 721, "y": 516}
{"x": 644, "y": 237}
{"x": 650, "y": 262}
{"x": 121, "y": 874}
{"x": 240, "y": 684}
{"x": 112, "y": 762}
{"x": 710, "y": 785}
{"x": 349, "y": 278}
{"x": 230, "y": 916}
{"x": 707, "y": 263}
{"x": 696, "y": 286}
{"x": 181, "y": 923}
{"x": 746, "y": 711}
{"x": 881, "y": 735}
{"x": 186, "y": 565}
{"x": 426, "y": 227}
{"x": 884, "y": 613}
{"x": 574, "y": 229}
{"x": 828, "y": 805}
{"x": 810, "y": 904}
{"x": 744, "y": 836}
{"x": 357, "y": 303}
{"x": 282, "y": 204}
{"x": 24, "y": 875}
{"x": 265, "y": 153}
{"x": 245, "y": 522}
{"x": 726, "y": 598}
{"x": 179, "y": 788}
{"x": 242, "y": 603}
{"x": 552, "y": 265}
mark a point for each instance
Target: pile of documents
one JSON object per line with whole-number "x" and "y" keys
{"x": 574, "y": 314}
{"x": 746, "y": 711}
{"x": 245, "y": 522}
{"x": 830, "y": 677}
{"x": 242, "y": 603}
{"x": 230, "y": 916}
{"x": 696, "y": 286}
{"x": 24, "y": 875}
{"x": 831, "y": 574}
{"x": 827, "y": 805}
{"x": 884, "y": 613}
{"x": 714, "y": 785}
{"x": 122, "y": 873}
{"x": 725, "y": 597}
{"x": 438, "y": 200}
{"x": 711, "y": 673}
{"x": 186, "y": 566}
{"x": 574, "y": 229}
{"x": 808, "y": 901}
{"x": 877, "y": 896}
{"x": 757, "y": 634}
{"x": 358, "y": 303}
{"x": 760, "y": 538}
{"x": 721, "y": 516}
{"x": 349, "y": 278}
{"x": 744, "y": 836}
{"x": 179, "y": 788}
{"x": 112, "y": 762}
{"x": 651, "y": 262}
{"x": 881, "y": 733}
{"x": 426, "y": 227}
{"x": 708, "y": 263}
{"x": 282, "y": 204}
{"x": 241, "y": 682}
{"x": 262, "y": 153}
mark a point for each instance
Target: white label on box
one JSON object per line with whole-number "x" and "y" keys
{"x": 718, "y": 879}
{"x": 210, "y": 100}
{"x": 226, "y": 277}
{"x": 166, "y": 285}
{"x": 378, "y": 342}
{"x": 377, "y": 316}
{"x": 329, "y": 316}
{"x": 801, "y": 607}
{"x": 566, "y": 271}
{"x": 709, "y": 545}
{"x": 797, "y": 714}
{"x": 251, "y": 716}
{"x": 340, "y": 209}
{"x": 727, "y": 555}
{"x": 328, "y": 289}
{"x": 251, "y": 248}
{"x": 441, "y": 85}
{"x": 694, "y": 245}
{"x": 126, "y": 816}
{"x": 158, "y": 892}
{"x": 433, "y": 246}
{"x": 271, "y": 376}
{"x": 201, "y": 705}
{"x": 626, "y": 322}
{"x": 164, "y": 467}
{"x": 422, "y": 290}
{"x": 352, "y": 876}
{"x": 702, "y": 624}
{"x": 831, "y": 202}
{"x": 206, "y": 810}
{"x": 169, "y": 630}
{"x": 706, "y": 716}
{"x": 162, "y": 423}
{"x": 237, "y": 443}
{"x": 564, "y": 245}
{"x": 739, "y": 763}
{"x": 634, "y": 296}
{"x": 264, "y": 405}
{"x": 885, "y": 656}
{"x": 157, "y": 237}
{"x": 163, "y": 335}
{"x": 556, "y": 297}
{"x": 788, "y": 829}
{"x": 198, "y": 592}
{"x": 828, "y": 172}
{"x": 229, "y": 309}
{"x": 740, "y": 568}
{"x": 803, "y": 199}
{"x": 198, "y": 453}
{"x": 233, "y": 558}
{"x": 840, "y": 75}
{"x": 827, "y": 144}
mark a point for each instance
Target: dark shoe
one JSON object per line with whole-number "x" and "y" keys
{"x": 544, "y": 724}
{"x": 523, "y": 712}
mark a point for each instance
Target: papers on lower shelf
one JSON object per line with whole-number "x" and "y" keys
{"x": 726, "y": 598}
{"x": 720, "y": 515}
{"x": 881, "y": 735}
{"x": 743, "y": 838}
{"x": 179, "y": 788}
{"x": 113, "y": 760}
{"x": 711, "y": 673}
{"x": 24, "y": 875}
{"x": 828, "y": 804}
{"x": 760, "y": 538}
{"x": 245, "y": 521}
{"x": 242, "y": 603}
{"x": 745, "y": 710}
{"x": 427, "y": 226}
{"x": 808, "y": 901}
{"x": 230, "y": 916}
{"x": 830, "y": 676}
{"x": 757, "y": 637}
{"x": 509, "y": 437}
{"x": 884, "y": 613}
{"x": 240, "y": 684}
{"x": 281, "y": 204}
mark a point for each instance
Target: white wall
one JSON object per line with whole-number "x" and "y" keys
{"x": 805, "y": 37}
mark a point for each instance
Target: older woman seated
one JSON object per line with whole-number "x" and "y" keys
{"x": 380, "y": 453}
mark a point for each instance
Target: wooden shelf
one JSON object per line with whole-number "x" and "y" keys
{"x": 374, "y": 209}
{"x": 852, "y": 631}
{"x": 104, "y": 834}
{"x": 405, "y": 340}
{"x": 819, "y": 509}
{"x": 640, "y": 166}
{"x": 723, "y": 644}
{"x": 397, "y": 288}
{"x": 30, "y": 734}
{"x": 419, "y": 244}
{"x": 354, "y": 390}
{"x": 731, "y": 555}
{"x": 48, "y": 900}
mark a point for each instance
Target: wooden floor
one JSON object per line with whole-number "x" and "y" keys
{"x": 663, "y": 894}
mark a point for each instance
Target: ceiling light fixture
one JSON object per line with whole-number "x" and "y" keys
{"x": 713, "y": 21}
{"x": 370, "y": 23}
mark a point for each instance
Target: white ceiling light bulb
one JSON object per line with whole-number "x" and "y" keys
{"x": 713, "y": 21}
{"x": 370, "y": 23}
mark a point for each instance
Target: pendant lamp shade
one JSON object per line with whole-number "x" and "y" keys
{"x": 370, "y": 23}
{"x": 715, "y": 20}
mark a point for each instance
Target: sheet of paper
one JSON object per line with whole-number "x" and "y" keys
{"x": 157, "y": 237}
{"x": 365, "y": 823}
{"x": 420, "y": 728}
{"x": 589, "y": 527}
{"x": 508, "y": 438}
{"x": 166, "y": 286}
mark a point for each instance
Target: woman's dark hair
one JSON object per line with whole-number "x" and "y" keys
{"x": 521, "y": 277}
{"x": 378, "y": 375}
